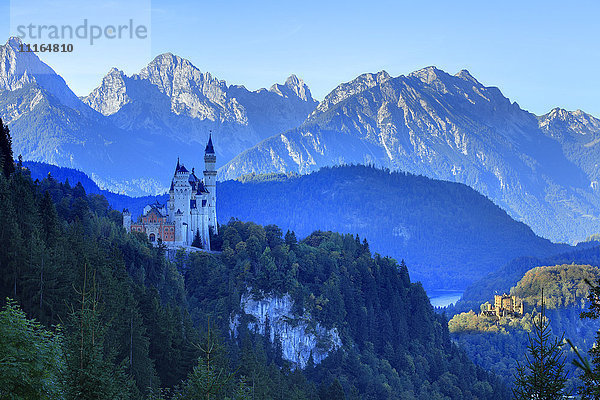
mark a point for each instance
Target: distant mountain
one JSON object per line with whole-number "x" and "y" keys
{"x": 49, "y": 123}
{"x": 543, "y": 170}
{"x": 127, "y": 134}
{"x": 172, "y": 98}
{"x": 579, "y": 135}
{"x": 448, "y": 234}
{"x": 21, "y": 69}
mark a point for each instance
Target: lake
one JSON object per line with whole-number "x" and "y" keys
{"x": 443, "y": 298}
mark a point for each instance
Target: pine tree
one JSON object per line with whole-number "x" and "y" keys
{"x": 6, "y": 153}
{"x": 49, "y": 220}
{"x": 591, "y": 371}
{"x": 290, "y": 239}
{"x": 210, "y": 378}
{"x": 31, "y": 358}
{"x": 543, "y": 377}
{"x": 12, "y": 244}
{"x": 197, "y": 242}
{"x": 335, "y": 391}
{"x": 91, "y": 374}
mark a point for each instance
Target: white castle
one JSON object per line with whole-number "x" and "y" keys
{"x": 190, "y": 211}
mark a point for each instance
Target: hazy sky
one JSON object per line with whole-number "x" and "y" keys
{"x": 540, "y": 54}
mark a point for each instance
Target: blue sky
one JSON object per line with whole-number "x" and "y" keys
{"x": 540, "y": 54}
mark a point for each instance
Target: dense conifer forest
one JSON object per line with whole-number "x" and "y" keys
{"x": 116, "y": 320}
{"x": 448, "y": 234}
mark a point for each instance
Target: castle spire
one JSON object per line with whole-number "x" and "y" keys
{"x": 209, "y": 146}
{"x": 177, "y": 167}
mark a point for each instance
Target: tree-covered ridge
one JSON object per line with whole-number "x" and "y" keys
{"x": 449, "y": 234}
{"x": 507, "y": 276}
{"x": 129, "y": 314}
{"x": 471, "y": 322}
{"x": 392, "y": 337}
{"x": 563, "y": 285}
{"x": 66, "y": 260}
{"x": 497, "y": 345}
{"x": 446, "y": 232}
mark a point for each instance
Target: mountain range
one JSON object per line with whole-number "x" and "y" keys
{"x": 127, "y": 133}
{"x": 543, "y": 170}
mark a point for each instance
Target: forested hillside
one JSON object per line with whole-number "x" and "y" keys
{"x": 511, "y": 273}
{"x": 448, "y": 234}
{"x": 66, "y": 260}
{"x": 131, "y": 320}
{"x": 499, "y": 345}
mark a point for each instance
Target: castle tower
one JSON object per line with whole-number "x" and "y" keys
{"x": 127, "y": 220}
{"x": 210, "y": 181}
{"x": 182, "y": 193}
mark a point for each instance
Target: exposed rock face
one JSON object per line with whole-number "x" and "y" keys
{"x": 19, "y": 69}
{"x": 541, "y": 170}
{"x": 300, "y": 337}
{"x": 579, "y": 135}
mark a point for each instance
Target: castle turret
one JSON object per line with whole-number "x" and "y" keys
{"x": 210, "y": 182}
{"x": 127, "y": 220}
{"x": 182, "y": 192}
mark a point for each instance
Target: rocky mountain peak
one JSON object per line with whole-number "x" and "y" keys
{"x": 346, "y": 90}
{"x": 114, "y": 71}
{"x": 558, "y": 112}
{"x": 174, "y": 75}
{"x": 293, "y": 87}
{"x": 18, "y": 69}
{"x": 429, "y": 74}
{"x": 560, "y": 122}
{"x": 111, "y": 95}
{"x": 15, "y": 42}
{"x": 466, "y": 75}
{"x": 293, "y": 81}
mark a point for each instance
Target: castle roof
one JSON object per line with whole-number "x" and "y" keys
{"x": 209, "y": 146}
{"x": 182, "y": 169}
{"x": 201, "y": 188}
{"x": 156, "y": 207}
{"x": 193, "y": 179}
{"x": 177, "y": 166}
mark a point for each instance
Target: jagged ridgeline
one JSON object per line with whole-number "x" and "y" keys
{"x": 448, "y": 234}
{"x": 144, "y": 312}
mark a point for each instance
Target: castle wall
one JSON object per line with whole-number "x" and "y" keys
{"x": 179, "y": 220}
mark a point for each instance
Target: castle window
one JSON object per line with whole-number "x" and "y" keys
{"x": 152, "y": 237}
